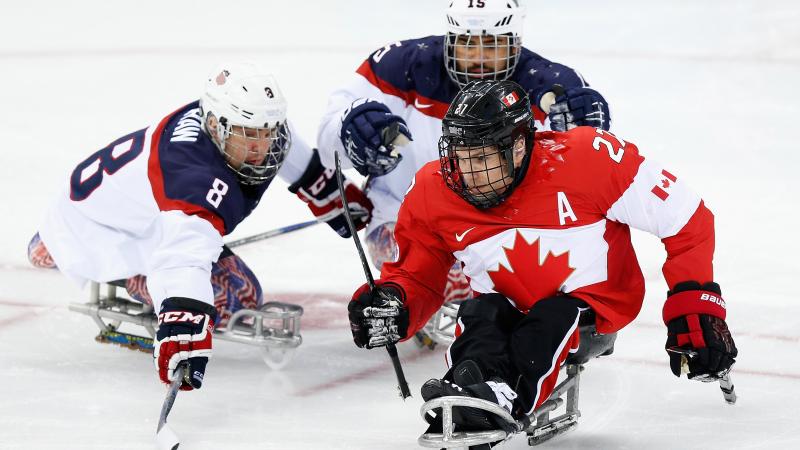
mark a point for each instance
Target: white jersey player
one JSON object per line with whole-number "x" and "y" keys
{"x": 153, "y": 206}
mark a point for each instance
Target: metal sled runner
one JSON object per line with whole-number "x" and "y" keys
{"x": 274, "y": 327}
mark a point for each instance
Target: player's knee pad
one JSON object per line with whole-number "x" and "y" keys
{"x": 38, "y": 254}
{"x": 544, "y": 329}
{"x": 488, "y": 307}
{"x": 563, "y": 307}
{"x": 493, "y": 310}
{"x": 137, "y": 289}
{"x": 381, "y": 244}
{"x": 457, "y": 288}
{"x": 235, "y": 286}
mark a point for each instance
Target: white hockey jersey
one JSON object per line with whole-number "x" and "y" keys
{"x": 155, "y": 202}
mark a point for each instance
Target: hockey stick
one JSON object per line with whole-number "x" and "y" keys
{"x": 276, "y": 232}
{"x": 725, "y": 383}
{"x": 271, "y": 233}
{"x": 166, "y": 439}
{"x": 390, "y": 348}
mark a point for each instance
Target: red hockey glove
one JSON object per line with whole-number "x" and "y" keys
{"x": 378, "y": 318}
{"x": 697, "y": 335}
{"x": 318, "y": 188}
{"x": 184, "y": 334}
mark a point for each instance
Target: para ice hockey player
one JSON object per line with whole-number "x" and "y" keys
{"x": 540, "y": 222}
{"x": 153, "y": 206}
{"x": 405, "y": 88}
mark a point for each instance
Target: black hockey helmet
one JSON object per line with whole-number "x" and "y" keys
{"x": 488, "y": 127}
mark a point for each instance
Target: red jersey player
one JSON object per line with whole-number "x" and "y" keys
{"x": 540, "y": 224}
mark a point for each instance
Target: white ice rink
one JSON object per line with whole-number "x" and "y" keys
{"x": 708, "y": 87}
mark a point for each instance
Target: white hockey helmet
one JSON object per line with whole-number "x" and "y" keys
{"x": 488, "y": 34}
{"x": 247, "y": 102}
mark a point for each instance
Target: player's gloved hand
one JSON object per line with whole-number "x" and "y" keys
{"x": 184, "y": 334}
{"x": 319, "y": 189}
{"x": 371, "y": 134}
{"x": 698, "y": 339}
{"x": 378, "y": 318}
{"x": 574, "y": 107}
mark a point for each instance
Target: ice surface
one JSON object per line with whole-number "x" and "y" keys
{"x": 710, "y": 88}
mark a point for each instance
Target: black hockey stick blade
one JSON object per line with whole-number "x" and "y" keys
{"x": 166, "y": 439}
{"x": 390, "y": 348}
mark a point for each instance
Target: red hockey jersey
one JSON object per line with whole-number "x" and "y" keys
{"x": 565, "y": 229}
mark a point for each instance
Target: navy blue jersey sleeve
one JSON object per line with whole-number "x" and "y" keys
{"x": 410, "y": 69}
{"x": 538, "y": 75}
{"x": 195, "y": 176}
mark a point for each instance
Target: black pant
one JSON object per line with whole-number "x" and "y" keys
{"x": 516, "y": 347}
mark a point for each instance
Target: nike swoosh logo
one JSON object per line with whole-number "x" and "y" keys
{"x": 419, "y": 105}
{"x": 460, "y": 237}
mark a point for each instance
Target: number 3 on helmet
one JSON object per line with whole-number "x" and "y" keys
{"x": 244, "y": 113}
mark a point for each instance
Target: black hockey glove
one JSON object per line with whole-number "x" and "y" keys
{"x": 370, "y": 134}
{"x": 319, "y": 189}
{"x": 184, "y": 334}
{"x": 698, "y": 340}
{"x": 378, "y": 318}
{"x": 574, "y": 107}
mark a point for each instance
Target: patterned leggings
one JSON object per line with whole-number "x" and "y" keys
{"x": 235, "y": 286}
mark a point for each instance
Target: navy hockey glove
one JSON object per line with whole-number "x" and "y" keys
{"x": 184, "y": 334}
{"x": 371, "y": 134}
{"x": 698, "y": 339}
{"x": 378, "y": 318}
{"x": 319, "y": 189}
{"x": 575, "y": 107}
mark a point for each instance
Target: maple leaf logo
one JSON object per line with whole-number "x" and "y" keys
{"x": 528, "y": 280}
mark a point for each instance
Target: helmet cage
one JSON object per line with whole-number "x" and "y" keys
{"x": 279, "y": 140}
{"x": 479, "y": 171}
{"x": 481, "y": 56}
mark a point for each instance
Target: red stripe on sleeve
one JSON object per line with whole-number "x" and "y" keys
{"x": 425, "y": 105}
{"x": 157, "y": 184}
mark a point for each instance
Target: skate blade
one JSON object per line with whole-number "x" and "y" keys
{"x": 552, "y": 429}
{"x": 449, "y": 438}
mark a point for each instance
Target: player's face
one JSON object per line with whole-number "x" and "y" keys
{"x": 485, "y": 171}
{"x": 482, "y": 56}
{"x": 248, "y": 145}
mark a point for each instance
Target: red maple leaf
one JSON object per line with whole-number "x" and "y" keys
{"x": 529, "y": 281}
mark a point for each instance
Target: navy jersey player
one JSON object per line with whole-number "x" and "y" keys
{"x": 403, "y": 90}
{"x": 153, "y": 206}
